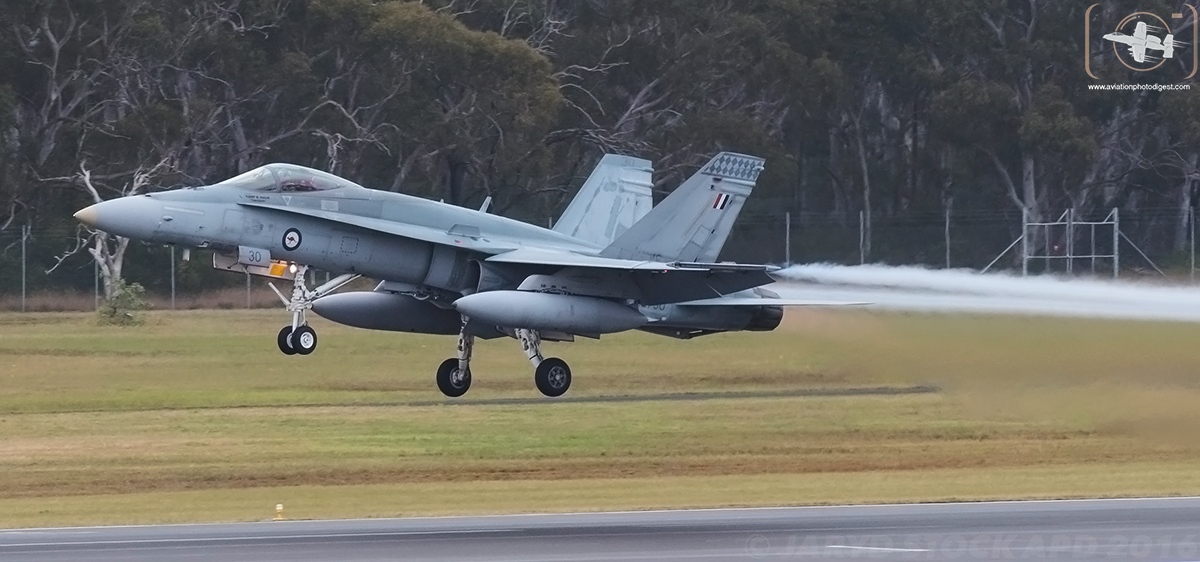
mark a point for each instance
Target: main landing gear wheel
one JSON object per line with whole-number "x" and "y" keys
{"x": 285, "y": 341}
{"x": 304, "y": 340}
{"x": 552, "y": 377}
{"x": 454, "y": 375}
{"x": 452, "y": 380}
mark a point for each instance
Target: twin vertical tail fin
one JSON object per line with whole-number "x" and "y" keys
{"x": 693, "y": 222}
{"x": 614, "y": 198}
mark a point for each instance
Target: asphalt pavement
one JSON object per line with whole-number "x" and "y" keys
{"x": 1165, "y": 529}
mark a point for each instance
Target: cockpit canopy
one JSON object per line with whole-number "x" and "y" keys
{"x": 286, "y": 178}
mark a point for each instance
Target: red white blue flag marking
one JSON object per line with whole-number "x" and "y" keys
{"x": 722, "y": 201}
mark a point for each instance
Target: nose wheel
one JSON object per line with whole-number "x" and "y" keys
{"x": 302, "y": 340}
{"x": 285, "y": 341}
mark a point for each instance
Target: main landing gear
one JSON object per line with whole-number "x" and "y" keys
{"x": 551, "y": 376}
{"x": 454, "y": 374}
{"x": 299, "y": 338}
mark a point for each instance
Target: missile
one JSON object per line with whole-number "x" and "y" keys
{"x": 387, "y": 311}
{"x": 548, "y": 311}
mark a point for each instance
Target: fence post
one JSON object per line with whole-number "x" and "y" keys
{"x": 1024, "y": 242}
{"x": 24, "y": 236}
{"x": 172, "y": 277}
{"x": 1192, "y": 224}
{"x": 787, "y": 240}
{"x": 247, "y": 290}
{"x": 1116, "y": 214}
{"x": 96, "y": 281}
{"x": 1071, "y": 240}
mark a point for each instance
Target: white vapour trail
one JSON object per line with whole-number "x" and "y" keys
{"x": 920, "y": 289}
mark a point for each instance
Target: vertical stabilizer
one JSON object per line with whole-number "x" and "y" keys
{"x": 613, "y": 198}
{"x": 694, "y": 221}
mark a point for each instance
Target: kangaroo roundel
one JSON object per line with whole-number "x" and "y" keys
{"x": 291, "y": 239}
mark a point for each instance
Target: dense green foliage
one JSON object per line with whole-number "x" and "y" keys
{"x": 893, "y": 109}
{"x": 124, "y": 307}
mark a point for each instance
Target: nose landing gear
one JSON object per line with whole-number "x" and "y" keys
{"x": 299, "y": 337}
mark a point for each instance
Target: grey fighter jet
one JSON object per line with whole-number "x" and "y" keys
{"x": 611, "y": 263}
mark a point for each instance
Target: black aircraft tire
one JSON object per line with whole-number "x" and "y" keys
{"x": 304, "y": 340}
{"x": 285, "y": 343}
{"x": 552, "y": 377}
{"x": 448, "y": 384}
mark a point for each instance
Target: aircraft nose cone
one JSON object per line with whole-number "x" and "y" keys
{"x": 87, "y": 216}
{"x": 132, "y": 217}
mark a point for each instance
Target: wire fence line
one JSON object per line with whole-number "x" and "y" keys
{"x": 1162, "y": 237}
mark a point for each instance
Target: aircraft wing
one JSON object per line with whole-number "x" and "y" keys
{"x": 533, "y": 256}
{"x": 1139, "y": 32}
{"x": 650, "y": 283}
{"x": 1139, "y": 53}
{"x": 758, "y": 301}
{"x": 416, "y": 232}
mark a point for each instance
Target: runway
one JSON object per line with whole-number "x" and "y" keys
{"x": 1128, "y": 529}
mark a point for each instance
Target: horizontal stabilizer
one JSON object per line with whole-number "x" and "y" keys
{"x": 723, "y": 266}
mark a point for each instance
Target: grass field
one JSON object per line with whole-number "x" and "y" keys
{"x": 197, "y": 417}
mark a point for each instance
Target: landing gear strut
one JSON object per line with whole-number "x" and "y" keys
{"x": 454, "y": 375}
{"x": 551, "y": 376}
{"x": 299, "y": 337}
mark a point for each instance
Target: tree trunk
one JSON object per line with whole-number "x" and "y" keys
{"x": 1183, "y": 204}
{"x": 110, "y": 259}
{"x": 456, "y": 170}
{"x": 866, "y": 189}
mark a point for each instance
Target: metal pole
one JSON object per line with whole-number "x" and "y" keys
{"x": 172, "y": 277}
{"x": 1024, "y": 242}
{"x": 1116, "y": 215}
{"x": 1046, "y": 244}
{"x": 862, "y": 240}
{"x": 787, "y": 238}
{"x": 1093, "y": 239}
{"x": 247, "y": 289}
{"x": 1070, "y": 240}
{"x": 96, "y": 281}
{"x": 1192, "y": 223}
{"x": 947, "y": 237}
{"x": 24, "y": 235}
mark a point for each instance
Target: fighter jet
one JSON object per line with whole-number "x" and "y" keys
{"x": 610, "y": 264}
{"x": 1140, "y": 42}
